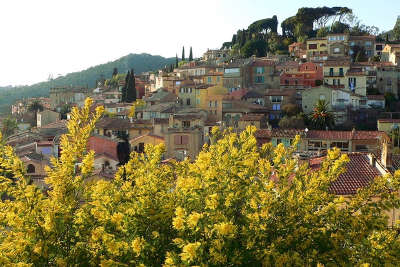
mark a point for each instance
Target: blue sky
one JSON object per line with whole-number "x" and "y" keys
{"x": 45, "y": 37}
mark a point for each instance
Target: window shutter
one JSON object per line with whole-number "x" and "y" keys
{"x": 185, "y": 139}
{"x": 177, "y": 139}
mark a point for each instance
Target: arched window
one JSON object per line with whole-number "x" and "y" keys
{"x": 31, "y": 168}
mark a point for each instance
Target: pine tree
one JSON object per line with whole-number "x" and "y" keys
{"x": 190, "y": 54}
{"x": 176, "y": 61}
{"x": 183, "y": 53}
{"x": 131, "y": 89}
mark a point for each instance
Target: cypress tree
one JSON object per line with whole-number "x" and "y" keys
{"x": 131, "y": 89}
{"x": 115, "y": 72}
{"x": 125, "y": 88}
{"x": 183, "y": 53}
{"x": 176, "y": 61}
{"x": 190, "y": 54}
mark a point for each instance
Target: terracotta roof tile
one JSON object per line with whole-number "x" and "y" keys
{"x": 389, "y": 120}
{"x": 359, "y": 173}
{"x": 252, "y": 117}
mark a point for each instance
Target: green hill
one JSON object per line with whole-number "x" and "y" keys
{"x": 139, "y": 62}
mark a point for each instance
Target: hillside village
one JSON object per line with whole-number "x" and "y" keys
{"x": 319, "y": 91}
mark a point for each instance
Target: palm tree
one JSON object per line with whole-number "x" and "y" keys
{"x": 35, "y": 106}
{"x": 321, "y": 118}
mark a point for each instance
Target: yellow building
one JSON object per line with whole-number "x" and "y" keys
{"x": 334, "y": 73}
{"x": 213, "y": 78}
{"x": 210, "y": 99}
{"x": 391, "y": 53}
{"x": 317, "y": 49}
{"x": 387, "y": 125}
{"x": 138, "y": 143}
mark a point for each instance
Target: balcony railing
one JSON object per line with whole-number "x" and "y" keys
{"x": 333, "y": 74}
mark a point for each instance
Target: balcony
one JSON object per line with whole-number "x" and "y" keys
{"x": 333, "y": 74}
{"x": 336, "y": 86}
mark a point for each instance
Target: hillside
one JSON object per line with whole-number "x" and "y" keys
{"x": 139, "y": 62}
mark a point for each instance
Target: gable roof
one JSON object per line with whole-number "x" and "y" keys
{"x": 359, "y": 174}
{"x": 113, "y": 124}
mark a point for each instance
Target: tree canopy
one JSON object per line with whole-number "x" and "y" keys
{"x": 255, "y": 206}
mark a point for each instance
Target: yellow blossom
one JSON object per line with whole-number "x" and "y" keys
{"x": 137, "y": 245}
{"x": 193, "y": 219}
{"x": 189, "y": 252}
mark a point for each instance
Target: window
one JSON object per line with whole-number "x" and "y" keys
{"x": 344, "y": 146}
{"x": 31, "y": 168}
{"x": 218, "y": 79}
{"x": 276, "y": 99}
{"x": 259, "y": 79}
{"x": 361, "y": 148}
{"x": 336, "y": 50}
{"x": 215, "y": 103}
{"x": 316, "y": 145}
{"x": 278, "y": 141}
{"x": 197, "y": 101}
{"x": 209, "y": 79}
{"x": 276, "y": 107}
{"x": 181, "y": 139}
{"x": 321, "y": 97}
{"x": 210, "y": 104}
{"x": 352, "y": 83}
{"x": 312, "y": 46}
{"x": 286, "y": 82}
{"x": 185, "y": 124}
{"x": 260, "y": 70}
{"x": 330, "y": 71}
{"x": 341, "y": 71}
{"x": 188, "y": 101}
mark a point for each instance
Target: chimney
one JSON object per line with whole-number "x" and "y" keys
{"x": 386, "y": 155}
{"x": 372, "y": 159}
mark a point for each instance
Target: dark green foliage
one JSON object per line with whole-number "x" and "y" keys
{"x": 264, "y": 25}
{"x": 226, "y": 45}
{"x": 258, "y": 48}
{"x": 115, "y": 72}
{"x": 359, "y": 54}
{"x": 140, "y": 62}
{"x": 324, "y": 31}
{"x": 35, "y": 107}
{"x": 390, "y": 101}
{"x": 124, "y": 89}
{"x": 339, "y": 27}
{"x": 8, "y": 126}
{"x": 302, "y": 24}
{"x": 176, "y": 61}
{"x": 191, "y": 54}
{"x": 65, "y": 109}
{"x": 131, "y": 88}
{"x": 396, "y": 30}
{"x": 183, "y": 53}
{"x": 321, "y": 118}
